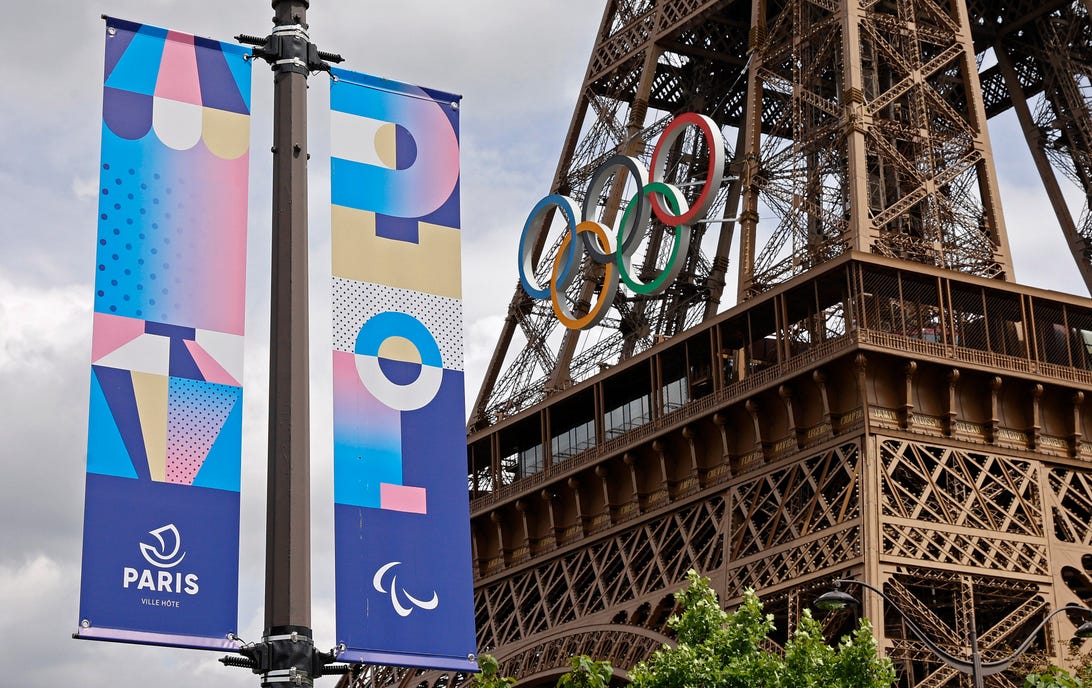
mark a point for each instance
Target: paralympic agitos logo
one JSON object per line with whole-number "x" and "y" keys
{"x": 613, "y": 247}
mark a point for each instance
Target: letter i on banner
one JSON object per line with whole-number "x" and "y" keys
{"x": 161, "y": 513}
{"x": 401, "y": 510}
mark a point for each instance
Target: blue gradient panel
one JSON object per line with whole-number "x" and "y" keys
{"x": 368, "y": 621}
{"x": 400, "y": 496}
{"x": 161, "y": 512}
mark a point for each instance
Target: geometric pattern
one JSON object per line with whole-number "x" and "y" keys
{"x": 196, "y": 414}
{"x": 841, "y": 545}
{"x": 398, "y": 406}
{"x": 167, "y": 345}
{"x": 993, "y": 493}
{"x": 357, "y": 302}
{"x": 174, "y": 175}
{"x": 1072, "y": 505}
{"x": 160, "y": 428}
{"x": 795, "y": 520}
{"x": 961, "y": 490}
{"x": 1004, "y": 611}
{"x": 395, "y": 281}
{"x": 912, "y": 544}
{"x": 165, "y": 413}
{"x": 162, "y": 349}
{"x": 603, "y": 575}
{"x": 782, "y": 506}
{"x": 169, "y": 391}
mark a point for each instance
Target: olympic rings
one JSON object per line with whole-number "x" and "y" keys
{"x": 614, "y": 247}
{"x": 595, "y": 189}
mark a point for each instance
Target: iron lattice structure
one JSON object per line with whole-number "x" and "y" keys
{"x": 857, "y": 125}
{"x": 883, "y": 402}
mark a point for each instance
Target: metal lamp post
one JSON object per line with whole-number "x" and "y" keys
{"x": 286, "y": 654}
{"x": 978, "y": 669}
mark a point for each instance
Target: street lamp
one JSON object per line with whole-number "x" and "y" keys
{"x": 837, "y": 599}
{"x": 1084, "y": 631}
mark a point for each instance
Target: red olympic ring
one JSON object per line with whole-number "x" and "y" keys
{"x": 715, "y": 171}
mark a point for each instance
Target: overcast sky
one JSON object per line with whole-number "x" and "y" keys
{"x": 518, "y": 66}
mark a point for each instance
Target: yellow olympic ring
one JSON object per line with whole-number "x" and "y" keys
{"x": 606, "y": 292}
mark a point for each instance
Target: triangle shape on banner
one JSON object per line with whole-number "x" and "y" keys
{"x": 106, "y": 452}
{"x": 111, "y": 332}
{"x": 220, "y": 469}
{"x": 196, "y": 414}
{"x": 117, "y": 390}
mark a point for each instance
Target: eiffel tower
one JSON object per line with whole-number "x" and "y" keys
{"x": 882, "y": 401}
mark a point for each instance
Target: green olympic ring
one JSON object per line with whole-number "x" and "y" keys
{"x": 677, "y": 202}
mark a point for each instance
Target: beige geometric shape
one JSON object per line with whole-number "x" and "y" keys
{"x": 432, "y": 265}
{"x": 385, "y": 145}
{"x": 399, "y": 349}
{"x": 226, "y": 134}
{"x": 151, "y": 400}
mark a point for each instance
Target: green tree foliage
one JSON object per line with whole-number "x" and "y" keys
{"x": 586, "y": 673}
{"x": 490, "y": 674}
{"x": 717, "y": 649}
{"x": 1052, "y": 676}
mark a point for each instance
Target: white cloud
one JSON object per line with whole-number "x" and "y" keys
{"x": 85, "y": 188}
{"x": 42, "y": 324}
{"x": 27, "y": 586}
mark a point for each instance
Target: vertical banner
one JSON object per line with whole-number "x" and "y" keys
{"x": 161, "y": 514}
{"x": 402, "y": 523}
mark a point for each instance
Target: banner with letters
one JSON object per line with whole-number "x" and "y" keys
{"x": 403, "y": 570}
{"x": 161, "y": 515}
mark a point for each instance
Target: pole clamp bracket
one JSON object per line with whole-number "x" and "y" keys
{"x": 289, "y": 49}
{"x": 286, "y": 656}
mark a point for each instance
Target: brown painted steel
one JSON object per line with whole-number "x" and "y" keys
{"x": 288, "y": 516}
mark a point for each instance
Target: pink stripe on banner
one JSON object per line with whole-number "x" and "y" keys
{"x": 402, "y": 498}
{"x": 112, "y": 332}
{"x": 178, "y": 78}
{"x": 213, "y": 371}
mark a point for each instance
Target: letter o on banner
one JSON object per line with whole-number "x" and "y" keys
{"x": 402, "y": 397}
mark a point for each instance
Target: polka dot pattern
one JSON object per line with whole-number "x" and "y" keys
{"x": 140, "y": 215}
{"x": 356, "y": 302}
{"x": 195, "y": 416}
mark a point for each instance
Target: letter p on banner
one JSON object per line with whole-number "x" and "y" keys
{"x": 401, "y": 510}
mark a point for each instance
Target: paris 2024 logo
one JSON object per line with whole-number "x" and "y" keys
{"x": 165, "y": 554}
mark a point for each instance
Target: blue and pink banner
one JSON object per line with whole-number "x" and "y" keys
{"x": 403, "y": 574}
{"x": 161, "y": 515}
